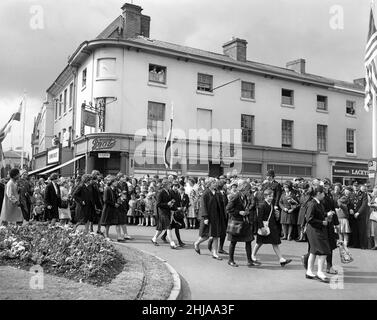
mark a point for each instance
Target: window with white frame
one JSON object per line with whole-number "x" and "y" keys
{"x": 350, "y": 107}
{"x": 287, "y": 97}
{"x": 71, "y": 95}
{"x": 248, "y": 90}
{"x": 60, "y": 104}
{"x": 84, "y": 73}
{"x": 322, "y": 137}
{"x": 65, "y": 101}
{"x": 156, "y": 119}
{"x": 205, "y": 82}
{"x": 247, "y": 127}
{"x": 106, "y": 68}
{"x": 321, "y": 103}
{"x": 350, "y": 141}
{"x": 287, "y": 133}
{"x": 157, "y": 74}
{"x": 204, "y": 119}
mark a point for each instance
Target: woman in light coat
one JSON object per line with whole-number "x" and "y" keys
{"x": 11, "y": 211}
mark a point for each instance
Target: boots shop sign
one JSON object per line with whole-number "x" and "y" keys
{"x": 99, "y": 144}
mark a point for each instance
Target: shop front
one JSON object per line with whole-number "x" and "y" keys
{"x": 347, "y": 172}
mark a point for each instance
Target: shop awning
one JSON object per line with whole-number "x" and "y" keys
{"x": 40, "y": 169}
{"x": 63, "y": 165}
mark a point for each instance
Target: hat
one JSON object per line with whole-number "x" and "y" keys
{"x": 271, "y": 173}
{"x": 54, "y": 176}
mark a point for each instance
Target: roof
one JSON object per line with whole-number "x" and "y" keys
{"x": 14, "y": 154}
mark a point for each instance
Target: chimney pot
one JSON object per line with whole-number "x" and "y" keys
{"x": 135, "y": 23}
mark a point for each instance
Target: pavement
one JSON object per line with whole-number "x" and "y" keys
{"x": 210, "y": 279}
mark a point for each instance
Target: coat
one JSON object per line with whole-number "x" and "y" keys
{"x": 288, "y": 201}
{"x": 238, "y": 203}
{"x": 163, "y": 210}
{"x": 84, "y": 196}
{"x": 2, "y": 191}
{"x": 110, "y": 213}
{"x": 10, "y": 211}
{"x": 212, "y": 208}
{"x": 316, "y": 232}
{"x": 304, "y": 200}
{"x": 52, "y": 199}
{"x": 264, "y": 212}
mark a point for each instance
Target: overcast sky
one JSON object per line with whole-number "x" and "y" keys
{"x": 277, "y": 31}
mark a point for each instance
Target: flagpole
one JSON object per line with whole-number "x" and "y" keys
{"x": 171, "y": 143}
{"x": 23, "y": 110}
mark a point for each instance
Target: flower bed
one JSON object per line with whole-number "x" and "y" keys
{"x": 61, "y": 251}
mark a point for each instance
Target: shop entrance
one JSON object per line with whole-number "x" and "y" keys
{"x": 108, "y": 163}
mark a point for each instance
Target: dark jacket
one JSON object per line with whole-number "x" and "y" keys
{"x": 163, "y": 197}
{"x": 84, "y": 196}
{"x": 52, "y": 199}
{"x": 212, "y": 208}
{"x": 315, "y": 214}
{"x": 361, "y": 203}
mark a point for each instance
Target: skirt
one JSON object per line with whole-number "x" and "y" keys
{"x": 344, "y": 226}
{"x": 273, "y": 237}
{"x": 318, "y": 241}
{"x": 203, "y": 229}
{"x": 122, "y": 216}
{"x": 163, "y": 221}
{"x": 246, "y": 234}
{"x": 288, "y": 218}
{"x": 191, "y": 212}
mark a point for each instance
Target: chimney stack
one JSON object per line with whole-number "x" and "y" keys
{"x": 360, "y": 82}
{"x": 135, "y": 23}
{"x": 236, "y": 49}
{"x": 297, "y": 65}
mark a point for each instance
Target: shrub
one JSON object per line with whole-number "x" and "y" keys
{"x": 61, "y": 251}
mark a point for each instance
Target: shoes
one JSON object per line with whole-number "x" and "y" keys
{"x": 283, "y": 264}
{"x": 232, "y": 264}
{"x": 310, "y": 277}
{"x": 331, "y": 271}
{"x": 128, "y": 238}
{"x": 217, "y": 258}
{"x": 173, "y": 247}
{"x": 283, "y": 238}
{"x": 375, "y": 248}
{"x": 121, "y": 240}
{"x": 223, "y": 252}
{"x": 155, "y": 243}
{"x": 325, "y": 279}
{"x": 254, "y": 263}
{"x": 197, "y": 250}
{"x": 182, "y": 244}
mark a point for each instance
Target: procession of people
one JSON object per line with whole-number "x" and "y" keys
{"x": 227, "y": 208}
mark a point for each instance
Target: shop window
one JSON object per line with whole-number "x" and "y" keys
{"x": 248, "y": 90}
{"x": 157, "y": 74}
{"x": 205, "y": 82}
{"x": 252, "y": 168}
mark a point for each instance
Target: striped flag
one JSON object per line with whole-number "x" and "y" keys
{"x": 370, "y": 65}
{"x": 6, "y": 129}
{"x": 168, "y": 150}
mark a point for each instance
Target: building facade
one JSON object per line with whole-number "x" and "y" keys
{"x": 122, "y": 85}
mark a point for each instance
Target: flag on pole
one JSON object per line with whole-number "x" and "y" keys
{"x": 370, "y": 65}
{"x": 168, "y": 152}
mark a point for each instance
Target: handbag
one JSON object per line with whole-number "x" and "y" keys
{"x": 345, "y": 255}
{"x": 373, "y": 216}
{"x": 235, "y": 227}
{"x": 265, "y": 230}
{"x": 64, "y": 204}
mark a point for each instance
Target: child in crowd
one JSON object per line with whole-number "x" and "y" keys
{"x": 140, "y": 209}
{"x": 131, "y": 211}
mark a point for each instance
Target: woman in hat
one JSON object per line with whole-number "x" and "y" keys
{"x": 288, "y": 204}
{"x": 11, "y": 211}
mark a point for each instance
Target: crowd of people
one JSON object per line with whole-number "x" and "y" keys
{"x": 313, "y": 211}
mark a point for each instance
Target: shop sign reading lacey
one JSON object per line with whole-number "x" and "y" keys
{"x": 354, "y": 172}
{"x": 103, "y": 144}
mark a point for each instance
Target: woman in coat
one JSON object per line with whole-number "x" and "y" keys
{"x": 317, "y": 234}
{"x": 301, "y": 221}
{"x": 266, "y": 212}
{"x": 288, "y": 204}
{"x": 110, "y": 213}
{"x": 11, "y": 211}
{"x": 64, "y": 213}
{"x": 239, "y": 211}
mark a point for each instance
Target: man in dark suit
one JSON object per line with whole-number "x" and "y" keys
{"x": 84, "y": 196}
{"x": 359, "y": 237}
{"x": 52, "y": 199}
